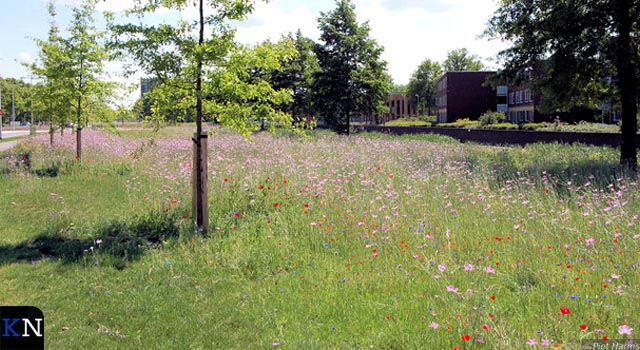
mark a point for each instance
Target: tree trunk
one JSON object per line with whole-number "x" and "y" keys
{"x": 51, "y": 131}
{"x": 201, "y": 193}
{"x": 79, "y": 143}
{"x": 628, "y": 85}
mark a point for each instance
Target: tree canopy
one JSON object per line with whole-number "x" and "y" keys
{"x": 461, "y": 60}
{"x": 352, "y": 77}
{"x": 423, "y": 84}
{"x": 572, "y": 47}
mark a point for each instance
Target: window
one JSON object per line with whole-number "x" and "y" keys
{"x": 512, "y": 97}
{"x": 527, "y": 95}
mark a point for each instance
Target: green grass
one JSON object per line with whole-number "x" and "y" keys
{"x": 330, "y": 242}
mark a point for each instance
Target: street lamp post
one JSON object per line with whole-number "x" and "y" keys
{"x": 13, "y": 106}
{"x": 32, "y": 128}
{"x": 1, "y": 111}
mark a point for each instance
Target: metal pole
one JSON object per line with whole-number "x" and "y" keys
{"x": 13, "y": 105}
{"x": 1, "y": 110}
{"x": 32, "y": 128}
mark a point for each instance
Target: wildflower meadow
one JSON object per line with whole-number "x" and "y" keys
{"x": 320, "y": 242}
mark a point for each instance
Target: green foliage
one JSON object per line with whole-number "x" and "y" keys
{"x": 570, "y": 49}
{"x": 353, "y": 77}
{"x": 412, "y": 121}
{"x": 21, "y": 93}
{"x": 489, "y": 118}
{"x": 423, "y": 85}
{"x": 461, "y": 123}
{"x": 297, "y": 74}
{"x": 461, "y": 60}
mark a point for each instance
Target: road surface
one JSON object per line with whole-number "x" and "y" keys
{"x": 8, "y": 133}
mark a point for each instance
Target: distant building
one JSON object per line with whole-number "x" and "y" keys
{"x": 400, "y": 106}
{"x": 522, "y": 105}
{"x": 465, "y": 95}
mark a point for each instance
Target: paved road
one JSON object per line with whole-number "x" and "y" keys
{"x": 8, "y": 133}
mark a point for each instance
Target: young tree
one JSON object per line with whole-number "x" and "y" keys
{"x": 82, "y": 60}
{"x": 202, "y": 71}
{"x": 461, "y": 60}
{"x": 423, "y": 84}
{"x": 55, "y": 103}
{"x": 353, "y": 77}
{"x": 576, "y": 44}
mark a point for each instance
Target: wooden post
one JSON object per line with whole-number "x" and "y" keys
{"x": 79, "y": 143}
{"x": 202, "y": 193}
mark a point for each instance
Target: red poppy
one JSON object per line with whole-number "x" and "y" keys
{"x": 565, "y": 311}
{"x": 184, "y": 216}
{"x": 225, "y": 179}
{"x": 605, "y": 338}
{"x": 583, "y": 326}
{"x": 493, "y": 297}
{"x": 466, "y": 337}
{"x": 275, "y": 205}
{"x": 237, "y": 214}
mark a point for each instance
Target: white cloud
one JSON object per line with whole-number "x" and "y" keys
{"x": 24, "y": 57}
{"x": 409, "y": 30}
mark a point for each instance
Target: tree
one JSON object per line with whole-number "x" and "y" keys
{"x": 72, "y": 68}
{"x": 17, "y": 96}
{"x": 461, "y": 60}
{"x": 198, "y": 69}
{"x": 423, "y": 84}
{"x": 55, "y": 103}
{"x": 297, "y": 74}
{"x": 573, "y": 45}
{"x": 353, "y": 77}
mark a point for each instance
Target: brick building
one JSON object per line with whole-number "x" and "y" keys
{"x": 400, "y": 106}
{"x": 465, "y": 95}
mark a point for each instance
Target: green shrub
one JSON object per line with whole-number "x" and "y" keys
{"x": 503, "y": 126}
{"x": 461, "y": 123}
{"x": 490, "y": 118}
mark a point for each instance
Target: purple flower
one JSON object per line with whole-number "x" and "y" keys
{"x": 625, "y": 330}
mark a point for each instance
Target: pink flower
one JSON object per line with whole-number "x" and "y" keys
{"x": 532, "y": 342}
{"x": 434, "y": 325}
{"x": 468, "y": 267}
{"x": 489, "y": 269}
{"x": 625, "y": 330}
{"x": 545, "y": 342}
{"x": 452, "y": 289}
{"x": 442, "y": 267}
{"x": 589, "y": 241}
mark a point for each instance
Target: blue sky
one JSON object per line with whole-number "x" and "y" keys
{"x": 409, "y": 30}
